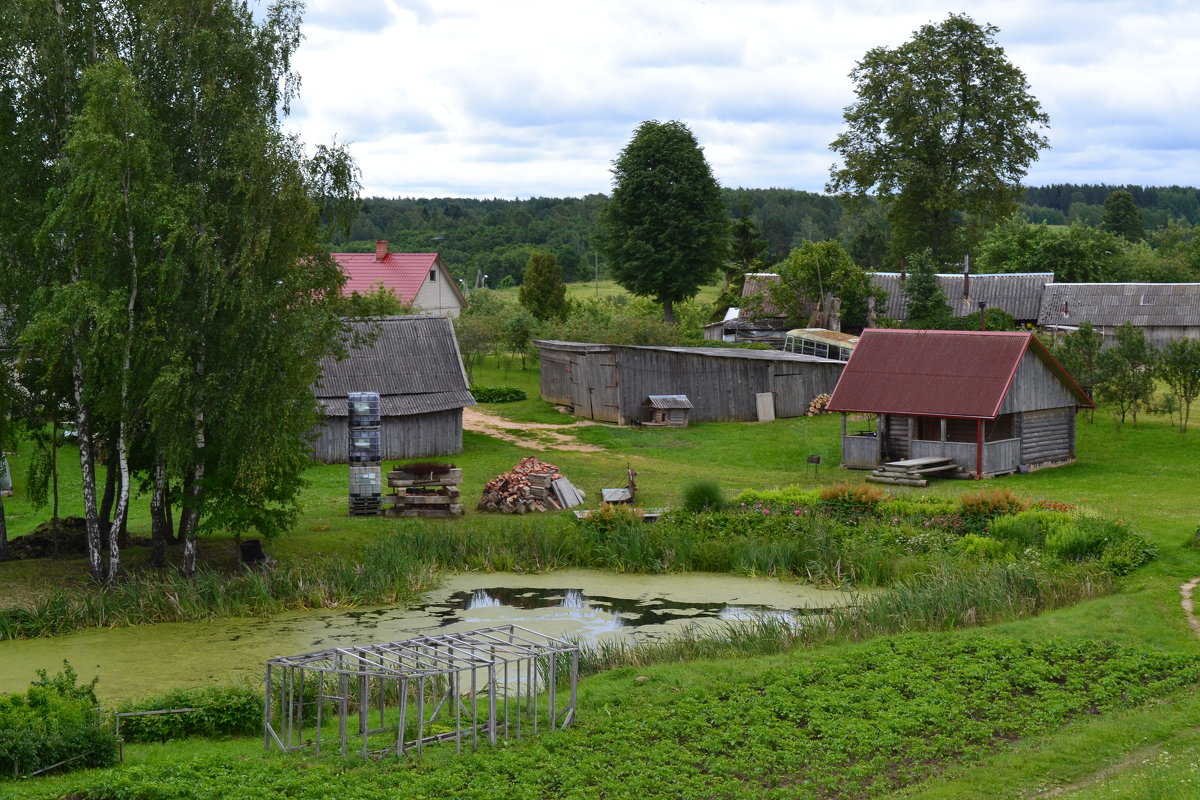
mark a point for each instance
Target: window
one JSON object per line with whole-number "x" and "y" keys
{"x": 432, "y": 275}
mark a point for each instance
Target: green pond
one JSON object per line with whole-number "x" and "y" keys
{"x": 586, "y": 604}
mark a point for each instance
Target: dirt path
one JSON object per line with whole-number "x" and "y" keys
{"x": 535, "y": 434}
{"x": 1185, "y": 592}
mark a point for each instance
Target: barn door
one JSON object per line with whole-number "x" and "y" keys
{"x": 606, "y": 393}
{"x": 581, "y": 393}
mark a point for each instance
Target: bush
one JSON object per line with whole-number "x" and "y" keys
{"x": 54, "y": 720}
{"x": 1027, "y": 528}
{"x": 991, "y": 503}
{"x": 1117, "y": 548}
{"x": 980, "y": 547}
{"x": 497, "y": 394}
{"x": 220, "y": 711}
{"x": 703, "y": 496}
{"x": 611, "y": 516}
{"x": 849, "y": 498}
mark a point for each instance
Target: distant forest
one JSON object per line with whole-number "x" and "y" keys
{"x": 494, "y": 238}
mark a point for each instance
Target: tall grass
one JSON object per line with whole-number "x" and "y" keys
{"x": 383, "y": 573}
{"x": 941, "y": 599}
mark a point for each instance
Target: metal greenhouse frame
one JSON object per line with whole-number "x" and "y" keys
{"x": 394, "y": 698}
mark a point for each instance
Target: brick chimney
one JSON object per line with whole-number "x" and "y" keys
{"x": 381, "y": 251}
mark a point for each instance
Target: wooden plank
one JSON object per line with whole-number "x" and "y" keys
{"x": 926, "y": 461}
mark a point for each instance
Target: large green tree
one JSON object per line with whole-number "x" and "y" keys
{"x": 944, "y": 128}
{"x": 162, "y": 245}
{"x": 819, "y": 270}
{"x": 1121, "y": 216}
{"x": 664, "y": 232}
{"x": 542, "y": 289}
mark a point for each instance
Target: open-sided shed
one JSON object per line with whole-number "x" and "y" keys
{"x": 611, "y": 382}
{"x": 993, "y": 402}
{"x": 415, "y": 367}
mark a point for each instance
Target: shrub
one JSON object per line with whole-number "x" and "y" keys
{"x": 703, "y": 496}
{"x": 990, "y": 503}
{"x": 980, "y": 547}
{"x": 611, "y": 516}
{"x": 497, "y": 394}
{"x": 1027, "y": 528}
{"x": 54, "y": 720}
{"x": 220, "y": 711}
{"x": 848, "y": 498}
{"x": 1118, "y": 549}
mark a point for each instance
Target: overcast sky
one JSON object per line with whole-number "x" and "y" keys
{"x": 528, "y": 98}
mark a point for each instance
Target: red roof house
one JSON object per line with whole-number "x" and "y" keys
{"x": 994, "y": 402}
{"x": 419, "y": 280}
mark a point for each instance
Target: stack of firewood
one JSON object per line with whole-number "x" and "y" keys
{"x": 529, "y": 486}
{"x": 817, "y": 405}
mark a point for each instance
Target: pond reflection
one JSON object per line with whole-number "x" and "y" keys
{"x": 584, "y": 604}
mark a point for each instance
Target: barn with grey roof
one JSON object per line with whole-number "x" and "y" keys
{"x": 415, "y": 366}
{"x": 1163, "y": 311}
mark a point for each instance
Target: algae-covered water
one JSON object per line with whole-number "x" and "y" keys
{"x": 586, "y": 604}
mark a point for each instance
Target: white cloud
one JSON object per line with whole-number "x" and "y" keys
{"x": 532, "y": 97}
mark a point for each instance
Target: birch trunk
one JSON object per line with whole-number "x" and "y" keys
{"x": 87, "y": 469}
{"x": 189, "y": 521}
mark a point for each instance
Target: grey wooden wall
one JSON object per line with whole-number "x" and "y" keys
{"x": 416, "y": 436}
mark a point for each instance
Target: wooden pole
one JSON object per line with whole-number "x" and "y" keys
{"x": 978, "y": 449}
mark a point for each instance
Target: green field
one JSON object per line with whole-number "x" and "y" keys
{"x": 953, "y": 724}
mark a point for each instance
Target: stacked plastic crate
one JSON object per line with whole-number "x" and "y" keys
{"x": 365, "y": 453}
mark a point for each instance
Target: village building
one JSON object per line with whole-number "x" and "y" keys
{"x": 612, "y": 382}
{"x": 415, "y": 366}
{"x": 757, "y": 319}
{"x": 1018, "y": 294}
{"x": 992, "y": 402}
{"x": 1164, "y": 312}
{"x": 419, "y": 280}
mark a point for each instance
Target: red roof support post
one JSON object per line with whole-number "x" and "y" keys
{"x": 978, "y": 449}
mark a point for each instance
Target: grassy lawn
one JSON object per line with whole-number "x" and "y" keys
{"x": 584, "y": 290}
{"x": 1148, "y": 475}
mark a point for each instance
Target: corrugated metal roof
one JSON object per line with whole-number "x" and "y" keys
{"x": 719, "y": 352}
{"x": 668, "y": 401}
{"x": 414, "y": 365}
{"x": 755, "y": 285}
{"x": 1019, "y": 294}
{"x": 1112, "y": 304}
{"x": 937, "y": 373}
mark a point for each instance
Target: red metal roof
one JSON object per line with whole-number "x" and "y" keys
{"x": 938, "y": 373}
{"x": 403, "y": 273}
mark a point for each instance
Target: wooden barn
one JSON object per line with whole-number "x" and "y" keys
{"x": 1163, "y": 311}
{"x": 1019, "y": 294}
{"x": 611, "y": 382}
{"x": 416, "y": 368}
{"x": 991, "y": 402}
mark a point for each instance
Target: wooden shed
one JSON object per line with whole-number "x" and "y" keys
{"x": 610, "y": 382}
{"x": 415, "y": 366}
{"x": 993, "y": 402}
{"x": 1163, "y": 311}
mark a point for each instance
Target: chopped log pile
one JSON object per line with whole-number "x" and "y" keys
{"x": 532, "y": 485}
{"x": 425, "y": 489}
{"x": 818, "y": 404}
